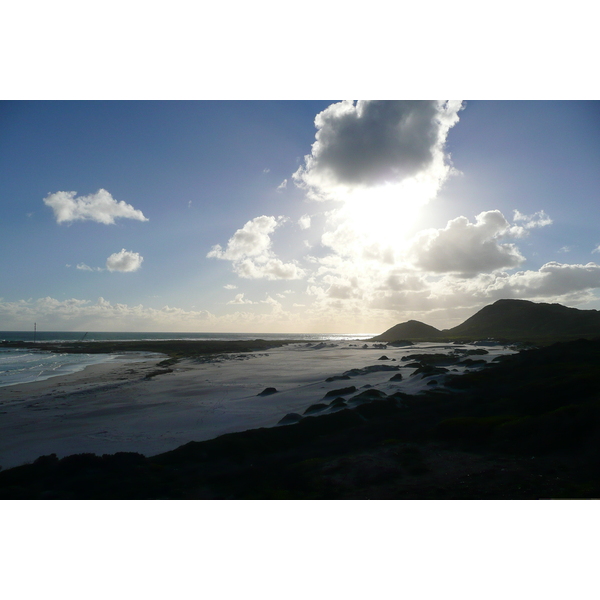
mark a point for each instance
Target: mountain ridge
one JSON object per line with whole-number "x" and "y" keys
{"x": 507, "y": 319}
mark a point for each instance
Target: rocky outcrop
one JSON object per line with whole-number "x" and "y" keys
{"x": 341, "y": 392}
{"x": 268, "y": 391}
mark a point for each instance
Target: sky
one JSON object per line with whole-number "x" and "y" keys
{"x": 293, "y": 216}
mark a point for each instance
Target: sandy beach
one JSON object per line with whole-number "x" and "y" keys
{"x": 115, "y": 407}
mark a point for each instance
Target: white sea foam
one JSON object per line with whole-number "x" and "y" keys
{"x": 24, "y": 366}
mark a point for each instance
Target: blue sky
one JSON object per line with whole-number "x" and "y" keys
{"x": 223, "y": 216}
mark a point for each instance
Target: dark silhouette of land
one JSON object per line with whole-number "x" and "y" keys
{"x": 523, "y": 427}
{"x": 507, "y": 320}
{"x": 173, "y": 348}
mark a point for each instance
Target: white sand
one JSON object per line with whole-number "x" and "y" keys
{"x": 111, "y": 407}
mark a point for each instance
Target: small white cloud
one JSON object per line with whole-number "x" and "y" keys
{"x": 272, "y": 268}
{"x": 239, "y": 299}
{"x": 538, "y": 219}
{"x": 100, "y": 207}
{"x": 251, "y": 240}
{"x": 266, "y": 170}
{"x": 124, "y": 261}
{"x": 84, "y": 267}
{"x": 304, "y": 221}
{"x": 230, "y": 286}
{"x": 596, "y": 250}
{"x": 566, "y": 249}
{"x": 282, "y": 185}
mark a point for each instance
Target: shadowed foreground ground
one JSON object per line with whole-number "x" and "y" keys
{"x": 528, "y": 427}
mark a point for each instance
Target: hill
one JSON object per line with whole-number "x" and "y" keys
{"x": 522, "y": 319}
{"x": 511, "y": 320}
{"x": 411, "y": 330}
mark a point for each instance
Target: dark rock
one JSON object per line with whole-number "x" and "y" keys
{"x": 352, "y": 372}
{"x": 341, "y": 392}
{"x": 338, "y": 402}
{"x": 432, "y": 359}
{"x": 268, "y": 391}
{"x": 337, "y": 378}
{"x": 428, "y": 370}
{"x": 469, "y": 362}
{"x": 313, "y": 408}
{"x": 290, "y": 418}
{"x": 368, "y": 396}
{"x": 384, "y": 357}
{"x": 372, "y": 369}
{"x": 377, "y": 368}
{"x": 396, "y": 377}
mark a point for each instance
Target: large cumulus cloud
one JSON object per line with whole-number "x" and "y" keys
{"x": 371, "y": 143}
{"x": 249, "y": 249}
{"x": 468, "y": 248}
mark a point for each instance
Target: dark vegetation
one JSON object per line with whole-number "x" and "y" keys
{"x": 524, "y": 427}
{"x": 174, "y": 349}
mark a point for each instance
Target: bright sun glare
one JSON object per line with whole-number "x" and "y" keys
{"x": 387, "y": 214}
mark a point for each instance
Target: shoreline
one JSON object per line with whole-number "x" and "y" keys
{"x": 155, "y": 405}
{"x": 113, "y": 366}
{"x": 51, "y": 416}
{"x": 206, "y": 430}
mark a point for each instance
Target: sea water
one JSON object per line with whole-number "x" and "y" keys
{"x": 126, "y": 336}
{"x": 25, "y": 366}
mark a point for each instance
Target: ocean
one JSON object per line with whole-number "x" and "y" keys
{"x": 24, "y": 366}
{"x": 104, "y": 336}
